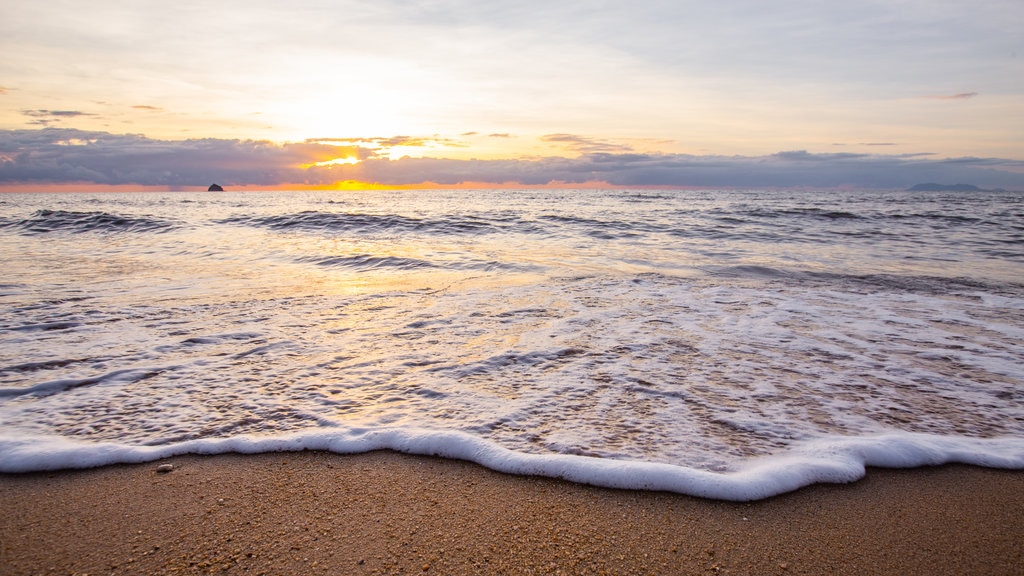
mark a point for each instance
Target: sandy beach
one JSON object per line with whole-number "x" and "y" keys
{"x": 386, "y": 513}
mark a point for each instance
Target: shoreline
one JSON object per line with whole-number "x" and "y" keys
{"x": 389, "y": 513}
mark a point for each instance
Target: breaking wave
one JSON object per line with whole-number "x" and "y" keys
{"x": 56, "y": 221}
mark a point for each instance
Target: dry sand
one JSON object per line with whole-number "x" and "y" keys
{"x": 383, "y": 513}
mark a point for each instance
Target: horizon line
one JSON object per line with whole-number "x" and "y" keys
{"x": 354, "y": 186}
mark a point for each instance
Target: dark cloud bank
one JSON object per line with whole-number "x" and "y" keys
{"x": 54, "y": 155}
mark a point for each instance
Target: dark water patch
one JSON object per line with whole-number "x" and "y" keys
{"x": 420, "y": 324}
{"x": 56, "y": 386}
{"x": 45, "y": 326}
{"x": 492, "y": 366}
{"x": 50, "y": 302}
{"x": 734, "y": 220}
{"x": 816, "y": 213}
{"x": 56, "y": 221}
{"x": 823, "y": 214}
{"x": 822, "y": 226}
{"x": 465, "y": 225}
{"x": 727, "y": 232}
{"x": 860, "y": 234}
{"x": 219, "y": 338}
{"x": 934, "y": 217}
{"x": 12, "y": 289}
{"x": 1017, "y": 255}
{"x": 28, "y": 367}
{"x": 641, "y": 197}
{"x": 927, "y": 285}
{"x": 753, "y": 272}
{"x": 264, "y": 349}
{"x": 880, "y": 215}
{"x": 527, "y": 313}
{"x": 492, "y": 266}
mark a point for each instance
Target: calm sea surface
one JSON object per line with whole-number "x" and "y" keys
{"x": 654, "y": 339}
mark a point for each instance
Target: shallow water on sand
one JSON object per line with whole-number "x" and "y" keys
{"x": 706, "y": 331}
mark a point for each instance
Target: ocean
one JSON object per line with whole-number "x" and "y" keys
{"x": 720, "y": 343}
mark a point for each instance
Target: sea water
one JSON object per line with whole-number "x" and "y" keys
{"x": 730, "y": 344}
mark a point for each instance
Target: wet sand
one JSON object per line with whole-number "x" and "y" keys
{"x": 385, "y": 513}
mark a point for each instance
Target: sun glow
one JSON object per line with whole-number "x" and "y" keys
{"x": 345, "y": 160}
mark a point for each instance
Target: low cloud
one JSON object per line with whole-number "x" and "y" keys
{"x": 54, "y": 155}
{"x": 784, "y": 169}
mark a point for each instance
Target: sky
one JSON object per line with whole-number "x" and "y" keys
{"x": 387, "y": 93}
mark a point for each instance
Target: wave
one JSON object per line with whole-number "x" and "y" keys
{"x": 603, "y": 229}
{"x": 817, "y": 213}
{"x": 931, "y": 285}
{"x": 332, "y": 222}
{"x": 51, "y": 221}
{"x": 830, "y": 459}
{"x": 369, "y": 262}
{"x": 946, "y": 219}
{"x": 874, "y": 214}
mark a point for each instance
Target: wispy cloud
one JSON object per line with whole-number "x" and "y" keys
{"x": 48, "y": 117}
{"x": 961, "y": 96}
{"x": 409, "y": 141}
{"x": 585, "y": 145}
{"x": 4, "y": 90}
{"x": 394, "y": 141}
{"x": 55, "y": 155}
{"x": 55, "y": 113}
{"x": 145, "y": 107}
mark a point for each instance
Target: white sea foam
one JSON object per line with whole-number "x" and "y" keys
{"x": 826, "y": 460}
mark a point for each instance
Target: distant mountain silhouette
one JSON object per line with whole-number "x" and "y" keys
{"x": 933, "y": 187}
{"x": 215, "y": 188}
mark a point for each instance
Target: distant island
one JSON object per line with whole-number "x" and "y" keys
{"x": 933, "y": 187}
{"x": 215, "y": 188}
